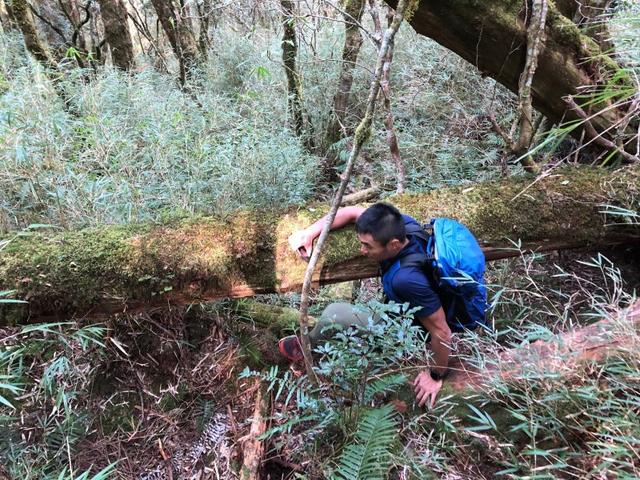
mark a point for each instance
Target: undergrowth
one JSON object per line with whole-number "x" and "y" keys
{"x": 548, "y": 421}
{"x": 46, "y": 371}
{"x": 135, "y": 147}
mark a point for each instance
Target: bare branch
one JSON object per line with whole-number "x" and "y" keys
{"x": 597, "y": 137}
{"x": 362, "y": 134}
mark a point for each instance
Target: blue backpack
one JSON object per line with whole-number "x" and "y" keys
{"x": 457, "y": 269}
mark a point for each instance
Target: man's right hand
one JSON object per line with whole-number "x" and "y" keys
{"x": 302, "y": 240}
{"x": 302, "y": 243}
{"x": 426, "y": 389}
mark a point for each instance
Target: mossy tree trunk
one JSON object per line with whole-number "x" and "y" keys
{"x": 117, "y": 34}
{"x": 35, "y": 46}
{"x": 492, "y": 34}
{"x": 180, "y": 35}
{"x": 337, "y": 128}
{"x": 590, "y": 16}
{"x": 561, "y": 353}
{"x": 123, "y": 268}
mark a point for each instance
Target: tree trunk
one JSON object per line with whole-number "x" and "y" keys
{"x": 337, "y": 127}
{"x": 562, "y": 354}
{"x": 205, "y": 14}
{"x": 124, "y": 268}
{"x": 117, "y": 34}
{"x": 26, "y": 23}
{"x": 6, "y": 17}
{"x": 352, "y": 43}
{"x": 289, "y": 54}
{"x": 254, "y": 447}
{"x": 180, "y": 35}
{"x": 590, "y": 16}
{"x": 492, "y": 36}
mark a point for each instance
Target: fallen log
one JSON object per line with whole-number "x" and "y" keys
{"x": 491, "y": 35}
{"x": 562, "y": 354}
{"x": 253, "y": 447}
{"x": 115, "y": 269}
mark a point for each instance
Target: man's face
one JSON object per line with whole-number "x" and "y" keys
{"x": 369, "y": 247}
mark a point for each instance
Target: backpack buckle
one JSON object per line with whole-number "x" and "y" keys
{"x": 428, "y": 227}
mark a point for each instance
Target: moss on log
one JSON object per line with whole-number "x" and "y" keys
{"x": 122, "y": 268}
{"x": 279, "y": 320}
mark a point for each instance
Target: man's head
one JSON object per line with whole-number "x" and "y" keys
{"x": 381, "y": 232}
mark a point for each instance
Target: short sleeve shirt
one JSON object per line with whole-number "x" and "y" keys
{"x": 411, "y": 283}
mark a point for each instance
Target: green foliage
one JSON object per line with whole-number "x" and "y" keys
{"x": 542, "y": 423}
{"x": 383, "y": 385}
{"x": 358, "y": 356}
{"x": 104, "y": 474}
{"x": 438, "y": 103}
{"x": 624, "y": 24}
{"x": 205, "y": 409}
{"x": 138, "y": 148}
{"x": 369, "y": 457}
{"x": 45, "y": 370}
{"x": 357, "y": 368}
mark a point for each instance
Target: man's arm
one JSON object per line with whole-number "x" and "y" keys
{"x": 426, "y": 387}
{"x": 302, "y": 240}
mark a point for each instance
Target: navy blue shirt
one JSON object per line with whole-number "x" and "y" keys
{"x": 411, "y": 283}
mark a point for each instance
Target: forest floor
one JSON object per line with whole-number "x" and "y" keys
{"x": 166, "y": 375}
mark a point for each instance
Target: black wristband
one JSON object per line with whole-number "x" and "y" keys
{"x": 437, "y": 376}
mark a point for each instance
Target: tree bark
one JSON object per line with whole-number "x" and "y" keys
{"x": 289, "y": 54}
{"x": 123, "y": 268}
{"x": 6, "y": 17}
{"x": 352, "y": 43}
{"x": 254, "y": 448}
{"x": 26, "y": 23}
{"x": 205, "y": 14}
{"x": 492, "y": 36}
{"x": 180, "y": 35}
{"x": 117, "y": 34}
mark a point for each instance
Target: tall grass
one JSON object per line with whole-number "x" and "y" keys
{"x": 141, "y": 149}
{"x": 136, "y": 147}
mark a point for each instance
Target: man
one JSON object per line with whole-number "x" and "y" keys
{"x": 383, "y": 234}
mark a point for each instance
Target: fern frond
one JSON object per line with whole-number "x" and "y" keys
{"x": 370, "y": 457}
{"x": 204, "y": 412}
{"x": 385, "y": 384}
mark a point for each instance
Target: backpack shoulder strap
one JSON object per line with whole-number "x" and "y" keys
{"x": 417, "y": 231}
{"x": 414, "y": 260}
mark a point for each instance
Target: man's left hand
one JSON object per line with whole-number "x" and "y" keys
{"x": 426, "y": 389}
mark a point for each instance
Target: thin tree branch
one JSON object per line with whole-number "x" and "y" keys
{"x": 87, "y": 17}
{"x": 535, "y": 38}
{"x": 361, "y": 136}
{"x": 48, "y": 23}
{"x": 392, "y": 138}
{"x": 595, "y": 136}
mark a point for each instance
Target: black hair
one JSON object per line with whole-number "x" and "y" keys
{"x": 383, "y": 222}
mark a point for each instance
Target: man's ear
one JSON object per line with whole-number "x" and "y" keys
{"x": 394, "y": 244}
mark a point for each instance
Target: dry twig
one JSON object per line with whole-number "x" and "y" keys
{"x": 595, "y": 136}
{"x": 362, "y": 134}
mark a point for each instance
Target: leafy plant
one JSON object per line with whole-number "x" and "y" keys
{"x": 369, "y": 456}
{"x": 43, "y": 370}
